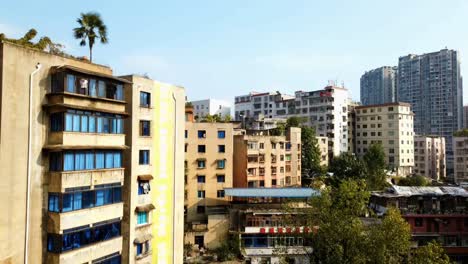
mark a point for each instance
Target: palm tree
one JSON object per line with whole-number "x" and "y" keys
{"x": 89, "y": 24}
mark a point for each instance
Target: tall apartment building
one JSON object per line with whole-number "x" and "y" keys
{"x": 323, "y": 146}
{"x": 326, "y": 110}
{"x": 432, "y": 84}
{"x": 460, "y": 151}
{"x": 62, "y": 134}
{"x": 206, "y": 107}
{"x": 379, "y": 86}
{"x": 264, "y": 160}
{"x": 429, "y": 157}
{"x": 465, "y": 116}
{"x": 352, "y": 126}
{"x": 209, "y": 150}
{"x": 153, "y": 211}
{"x": 392, "y": 126}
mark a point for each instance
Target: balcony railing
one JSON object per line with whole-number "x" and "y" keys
{"x": 61, "y": 180}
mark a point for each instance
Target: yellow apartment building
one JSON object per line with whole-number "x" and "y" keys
{"x": 429, "y": 157}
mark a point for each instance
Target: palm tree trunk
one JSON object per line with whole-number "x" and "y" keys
{"x": 90, "y": 53}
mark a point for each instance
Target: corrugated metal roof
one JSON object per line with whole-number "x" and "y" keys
{"x": 272, "y": 192}
{"x": 424, "y": 190}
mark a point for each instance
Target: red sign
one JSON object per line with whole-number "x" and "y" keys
{"x": 262, "y": 230}
{"x": 280, "y": 230}
{"x": 306, "y": 230}
{"x": 325, "y": 94}
{"x": 271, "y": 230}
{"x": 288, "y": 230}
{"x": 298, "y": 229}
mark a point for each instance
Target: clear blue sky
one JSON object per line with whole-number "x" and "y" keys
{"x": 222, "y": 48}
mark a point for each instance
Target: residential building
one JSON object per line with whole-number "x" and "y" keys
{"x": 392, "y": 126}
{"x": 261, "y": 223}
{"x": 326, "y": 110}
{"x": 433, "y": 213}
{"x": 460, "y": 151}
{"x": 153, "y": 212}
{"x": 465, "y": 116}
{"x": 432, "y": 84}
{"x": 378, "y": 86}
{"x": 62, "y": 134}
{"x": 429, "y": 157}
{"x": 263, "y": 123}
{"x": 352, "y": 126}
{"x": 266, "y": 160}
{"x": 209, "y": 150}
{"x": 323, "y": 146}
{"x": 206, "y": 107}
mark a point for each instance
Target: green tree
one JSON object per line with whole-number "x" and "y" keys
{"x": 389, "y": 241}
{"x": 376, "y": 164}
{"x": 91, "y": 28}
{"x": 415, "y": 180}
{"x": 311, "y": 155}
{"x": 227, "y": 118}
{"x": 432, "y": 253}
{"x": 294, "y": 121}
{"x": 44, "y": 43}
{"x": 346, "y": 166}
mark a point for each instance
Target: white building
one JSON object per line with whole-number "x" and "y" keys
{"x": 325, "y": 110}
{"x": 206, "y": 107}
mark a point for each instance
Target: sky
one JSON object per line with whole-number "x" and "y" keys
{"x": 223, "y": 48}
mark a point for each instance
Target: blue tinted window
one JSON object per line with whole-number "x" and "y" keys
{"x": 68, "y": 122}
{"x": 142, "y": 218}
{"x": 221, "y": 134}
{"x": 67, "y": 202}
{"x": 119, "y": 92}
{"x": 79, "y": 161}
{"x": 84, "y": 123}
{"x": 220, "y": 178}
{"x": 100, "y": 197}
{"x": 70, "y": 83}
{"x": 144, "y": 157}
{"x": 221, "y": 164}
{"x": 92, "y": 88}
{"x": 92, "y": 124}
{"x": 117, "y": 159}
{"x": 201, "y": 178}
{"x": 99, "y": 160}
{"x": 89, "y": 160}
{"x": 53, "y": 202}
{"x": 76, "y": 123}
{"x": 68, "y": 161}
{"x": 109, "y": 160}
{"x": 139, "y": 249}
{"x": 77, "y": 201}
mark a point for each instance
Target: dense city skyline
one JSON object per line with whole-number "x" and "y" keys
{"x": 200, "y": 46}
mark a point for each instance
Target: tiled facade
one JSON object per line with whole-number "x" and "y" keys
{"x": 378, "y": 86}
{"x": 392, "y": 126}
{"x": 429, "y": 157}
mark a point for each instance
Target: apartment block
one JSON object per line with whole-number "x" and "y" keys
{"x": 323, "y": 146}
{"x": 465, "y": 116}
{"x": 153, "y": 211}
{"x": 392, "y": 126}
{"x": 62, "y": 134}
{"x": 460, "y": 151}
{"x": 326, "y": 110}
{"x": 202, "y": 108}
{"x": 352, "y": 126}
{"x": 379, "y": 86}
{"x": 209, "y": 151}
{"x": 265, "y": 160}
{"x": 429, "y": 157}
{"x": 432, "y": 84}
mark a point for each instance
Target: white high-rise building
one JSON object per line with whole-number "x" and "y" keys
{"x": 326, "y": 110}
{"x": 202, "y": 108}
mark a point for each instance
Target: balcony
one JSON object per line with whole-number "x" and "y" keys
{"x": 61, "y": 221}
{"x": 64, "y": 100}
{"x": 269, "y": 251}
{"x": 144, "y": 199}
{"x": 75, "y": 139}
{"x": 197, "y": 227}
{"x": 61, "y": 180}
{"x": 87, "y": 254}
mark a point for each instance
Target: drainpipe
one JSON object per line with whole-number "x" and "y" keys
{"x": 28, "y": 185}
{"x": 174, "y": 179}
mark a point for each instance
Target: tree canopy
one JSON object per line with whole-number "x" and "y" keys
{"x": 91, "y": 27}
{"x": 415, "y": 180}
{"x": 44, "y": 43}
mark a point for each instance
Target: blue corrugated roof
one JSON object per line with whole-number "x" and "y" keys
{"x": 271, "y": 192}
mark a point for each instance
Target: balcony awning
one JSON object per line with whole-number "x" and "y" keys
{"x": 88, "y": 72}
{"x": 144, "y": 208}
{"x": 146, "y": 177}
{"x": 142, "y": 239}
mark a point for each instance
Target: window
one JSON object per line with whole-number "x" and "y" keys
{"x": 53, "y": 202}
{"x": 221, "y": 148}
{"x": 221, "y": 164}
{"x": 82, "y": 236}
{"x": 273, "y": 182}
{"x": 201, "y": 133}
{"x": 145, "y": 128}
{"x": 200, "y": 209}
{"x": 143, "y": 187}
{"x": 145, "y": 99}
{"x": 201, "y": 163}
{"x": 201, "y": 178}
{"x": 84, "y": 160}
{"x": 261, "y": 145}
{"x": 142, "y": 218}
{"x": 201, "y": 149}
{"x": 201, "y": 194}
{"x": 220, "y": 193}
{"x": 220, "y": 178}
{"x": 144, "y": 157}
{"x": 418, "y": 222}
{"x": 221, "y": 134}
{"x": 72, "y": 201}
{"x": 186, "y": 134}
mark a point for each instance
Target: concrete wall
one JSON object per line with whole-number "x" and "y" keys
{"x": 16, "y": 65}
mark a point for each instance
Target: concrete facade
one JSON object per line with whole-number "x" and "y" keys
{"x": 429, "y": 157}
{"x": 154, "y": 184}
{"x": 460, "y": 145}
{"x": 208, "y": 171}
{"x": 264, "y": 160}
{"x": 326, "y": 110}
{"x": 323, "y": 146}
{"x": 379, "y": 86}
{"x": 432, "y": 84}
{"x": 392, "y": 126}
{"x": 465, "y": 116}
{"x": 51, "y": 216}
{"x": 206, "y": 107}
